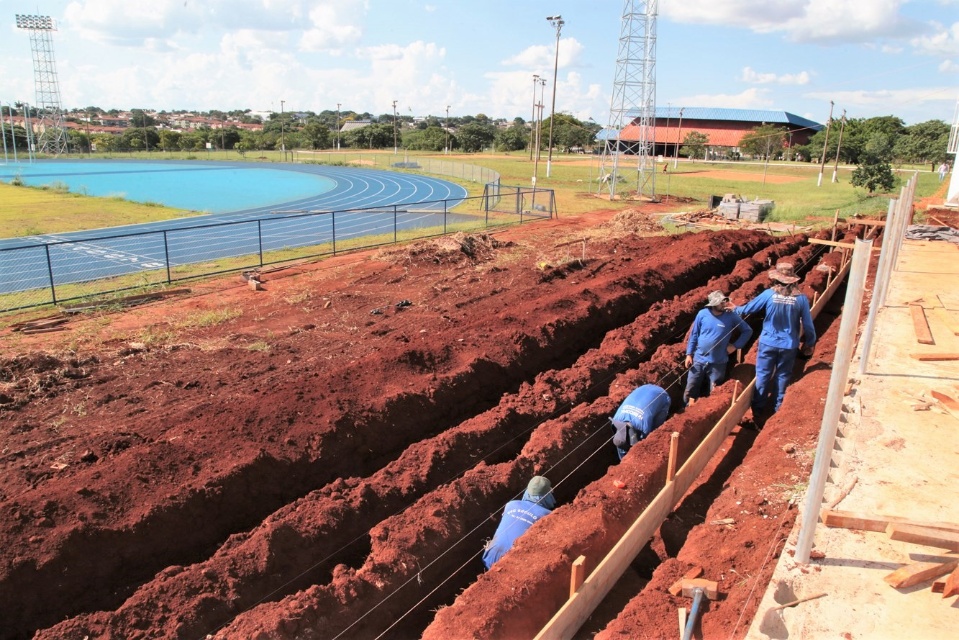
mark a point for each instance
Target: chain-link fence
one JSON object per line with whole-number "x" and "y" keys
{"x": 56, "y": 271}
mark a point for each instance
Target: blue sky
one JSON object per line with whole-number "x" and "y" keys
{"x": 871, "y": 57}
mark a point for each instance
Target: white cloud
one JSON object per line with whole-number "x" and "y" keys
{"x": 754, "y": 77}
{"x": 949, "y": 66}
{"x": 892, "y": 100}
{"x": 748, "y": 99}
{"x": 825, "y": 21}
{"x": 541, "y": 57}
{"x": 945, "y": 41}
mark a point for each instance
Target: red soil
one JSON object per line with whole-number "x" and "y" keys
{"x": 310, "y": 467}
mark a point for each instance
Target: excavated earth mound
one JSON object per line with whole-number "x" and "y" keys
{"x": 325, "y": 458}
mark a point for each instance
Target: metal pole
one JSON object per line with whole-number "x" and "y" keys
{"x": 13, "y": 133}
{"x": 837, "y": 384}
{"x": 395, "y": 147}
{"x": 879, "y": 285}
{"x": 166, "y": 257}
{"x": 333, "y": 227}
{"x": 282, "y": 134}
{"x": 679, "y": 134}
{"x": 558, "y": 22}
{"x": 337, "y": 126}
{"x": 394, "y": 224}
{"x": 3, "y": 134}
{"x": 824, "y": 145}
{"x": 259, "y": 239}
{"x": 447, "y": 129}
{"x": 53, "y": 288}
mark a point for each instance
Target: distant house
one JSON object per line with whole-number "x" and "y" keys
{"x": 351, "y": 125}
{"x": 724, "y": 128}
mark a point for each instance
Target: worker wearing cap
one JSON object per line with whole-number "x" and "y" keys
{"x": 518, "y": 516}
{"x": 643, "y": 410}
{"x": 710, "y": 345}
{"x": 787, "y": 328}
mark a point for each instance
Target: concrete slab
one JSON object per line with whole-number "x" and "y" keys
{"x": 889, "y": 460}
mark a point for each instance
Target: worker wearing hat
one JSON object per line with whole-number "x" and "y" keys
{"x": 787, "y": 328}
{"x": 518, "y": 516}
{"x": 710, "y": 345}
{"x": 643, "y": 410}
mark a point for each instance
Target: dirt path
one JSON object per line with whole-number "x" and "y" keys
{"x": 284, "y": 467}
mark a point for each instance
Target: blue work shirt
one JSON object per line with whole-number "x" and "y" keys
{"x": 518, "y": 516}
{"x": 784, "y": 314}
{"x": 644, "y": 409}
{"x": 711, "y": 334}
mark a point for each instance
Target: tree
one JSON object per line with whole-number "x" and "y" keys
{"x": 923, "y": 142}
{"x": 316, "y": 135}
{"x": 874, "y": 173}
{"x": 765, "y": 141}
{"x": 694, "y": 145}
{"x": 169, "y": 140}
{"x": 512, "y": 138}
{"x": 475, "y": 136}
{"x": 372, "y": 136}
{"x": 431, "y": 138}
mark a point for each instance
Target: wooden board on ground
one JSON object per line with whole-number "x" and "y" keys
{"x": 917, "y": 572}
{"x": 677, "y": 587}
{"x": 869, "y": 522}
{"x": 934, "y": 357}
{"x": 924, "y": 535}
{"x": 945, "y": 317}
{"x": 921, "y": 325}
{"x": 951, "y": 587}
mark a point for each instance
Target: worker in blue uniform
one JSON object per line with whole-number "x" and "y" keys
{"x": 710, "y": 345}
{"x": 643, "y": 410}
{"x": 787, "y": 329}
{"x": 518, "y": 516}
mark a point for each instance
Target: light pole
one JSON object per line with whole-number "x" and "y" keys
{"x": 447, "y": 129}
{"x": 395, "y": 147}
{"x": 282, "y": 133}
{"x": 532, "y": 122}
{"x": 337, "y": 126}
{"x": 539, "y": 125}
{"x": 679, "y": 134}
{"x": 557, "y": 22}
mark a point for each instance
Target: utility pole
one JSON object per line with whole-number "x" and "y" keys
{"x": 337, "y": 126}
{"x": 395, "y": 147}
{"x": 679, "y": 133}
{"x": 532, "y": 123}
{"x": 282, "y": 133}
{"x": 447, "y": 129}
{"x": 557, "y": 22}
{"x": 825, "y": 143}
{"x": 842, "y": 127}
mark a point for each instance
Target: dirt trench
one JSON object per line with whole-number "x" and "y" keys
{"x": 145, "y": 502}
{"x": 217, "y": 589}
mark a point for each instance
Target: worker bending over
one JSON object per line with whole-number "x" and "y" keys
{"x": 518, "y": 516}
{"x": 643, "y": 410}
{"x": 709, "y": 345}
{"x": 787, "y": 327}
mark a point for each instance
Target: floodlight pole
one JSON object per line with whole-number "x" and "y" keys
{"x": 337, "y": 126}
{"x": 282, "y": 133}
{"x": 842, "y": 127}
{"x": 532, "y": 122}
{"x": 557, "y": 22}
{"x": 395, "y": 147}
{"x": 822, "y": 164}
{"x": 447, "y": 129}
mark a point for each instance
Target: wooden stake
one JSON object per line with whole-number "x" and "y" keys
{"x": 578, "y": 575}
{"x": 673, "y": 455}
{"x": 951, "y": 587}
{"x": 835, "y": 221}
{"x": 682, "y": 621}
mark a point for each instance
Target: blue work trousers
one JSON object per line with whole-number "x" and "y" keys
{"x": 774, "y": 368}
{"x": 702, "y": 378}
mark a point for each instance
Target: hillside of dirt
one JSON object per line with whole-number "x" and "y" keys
{"x": 325, "y": 457}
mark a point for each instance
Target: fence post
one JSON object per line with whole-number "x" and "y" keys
{"x": 53, "y": 288}
{"x": 259, "y": 239}
{"x": 333, "y": 224}
{"x": 394, "y": 224}
{"x": 166, "y": 257}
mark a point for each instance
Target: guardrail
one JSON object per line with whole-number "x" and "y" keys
{"x": 52, "y": 271}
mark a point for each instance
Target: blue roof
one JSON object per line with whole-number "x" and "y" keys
{"x": 737, "y": 115}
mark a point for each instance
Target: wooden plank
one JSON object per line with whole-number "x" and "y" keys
{"x": 576, "y": 610}
{"x": 950, "y": 403}
{"x": 946, "y": 318}
{"x": 921, "y": 325}
{"x": 951, "y": 587}
{"x": 835, "y": 223}
{"x": 934, "y": 357}
{"x": 866, "y": 522}
{"x": 913, "y": 574}
{"x": 578, "y": 575}
{"x": 677, "y": 587}
{"x": 924, "y": 535}
{"x": 831, "y": 243}
{"x": 682, "y": 621}
{"x": 673, "y": 454}
{"x": 830, "y": 290}
{"x": 939, "y": 585}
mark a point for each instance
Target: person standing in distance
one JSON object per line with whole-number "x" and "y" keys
{"x": 787, "y": 328}
{"x": 709, "y": 345}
